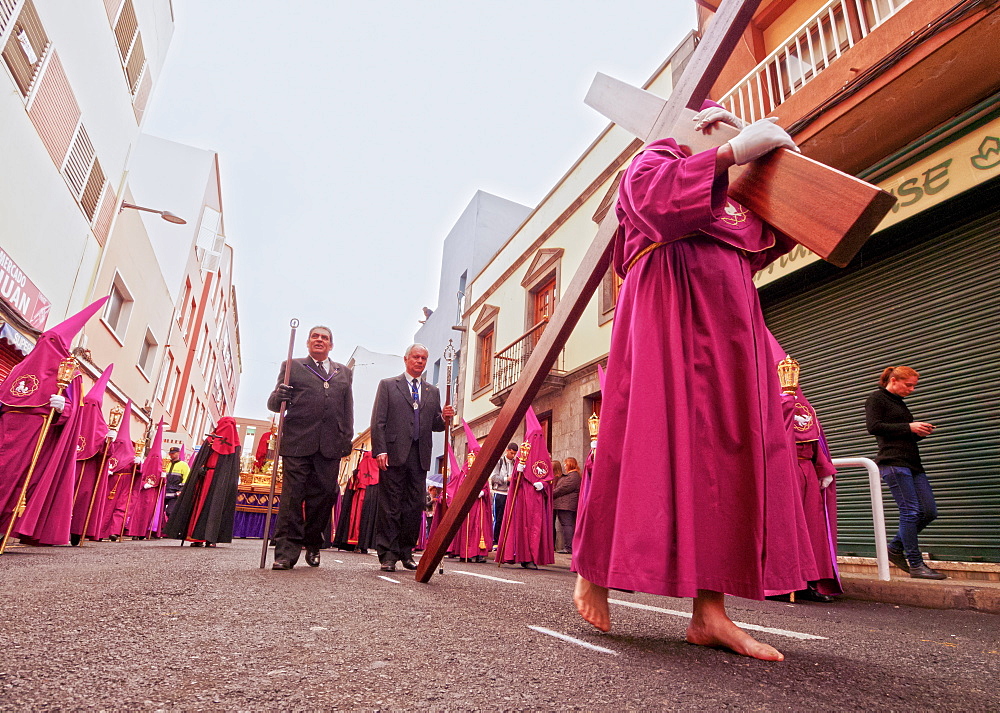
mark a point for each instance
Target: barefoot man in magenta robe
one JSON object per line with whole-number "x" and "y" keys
{"x": 691, "y": 493}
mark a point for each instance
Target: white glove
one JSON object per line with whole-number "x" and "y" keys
{"x": 481, "y": 493}
{"x": 716, "y": 113}
{"x": 825, "y": 482}
{"x": 147, "y": 486}
{"x": 113, "y": 433}
{"x": 57, "y": 402}
{"x": 757, "y": 139}
{"x": 539, "y": 486}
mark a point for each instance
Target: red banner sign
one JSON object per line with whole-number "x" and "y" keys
{"x": 20, "y": 294}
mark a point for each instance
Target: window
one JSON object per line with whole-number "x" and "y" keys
{"x": 461, "y": 296}
{"x": 189, "y": 405}
{"x": 183, "y": 304}
{"x": 130, "y": 49}
{"x": 119, "y": 308}
{"x": 544, "y": 300}
{"x": 210, "y": 239}
{"x": 611, "y": 286}
{"x": 202, "y": 348}
{"x": 192, "y": 307}
{"x": 25, "y": 48}
{"x": 147, "y": 353}
{"x": 484, "y": 328}
{"x": 541, "y": 281}
{"x": 174, "y": 390}
{"x": 437, "y": 372}
{"x": 485, "y": 348}
{"x": 161, "y": 387}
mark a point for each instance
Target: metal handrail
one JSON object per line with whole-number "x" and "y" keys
{"x": 508, "y": 362}
{"x": 878, "y": 513}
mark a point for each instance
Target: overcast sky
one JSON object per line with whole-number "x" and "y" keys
{"x": 351, "y": 136}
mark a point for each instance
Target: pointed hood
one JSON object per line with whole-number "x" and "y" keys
{"x": 539, "y": 465}
{"x": 455, "y": 473}
{"x": 600, "y": 377}
{"x": 33, "y": 380}
{"x": 93, "y": 426}
{"x": 470, "y": 439}
{"x": 122, "y": 454}
{"x": 67, "y": 330}
{"x": 227, "y": 438}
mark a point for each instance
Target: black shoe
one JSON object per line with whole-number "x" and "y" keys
{"x": 363, "y": 551}
{"x": 281, "y": 564}
{"x": 811, "y": 595}
{"x": 922, "y": 571}
{"x": 388, "y": 567}
{"x": 529, "y": 565}
{"x": 197, "y": 544}
{"x": 480, "y": 559}
{"x": 408, "y": 563}
{"x": 312, "y": 558}
{"x": 113, "y": 538}
{"x": 899, "y": 559}
{"x": 74, "y": 540}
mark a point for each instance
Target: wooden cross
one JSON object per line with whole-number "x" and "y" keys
{"x": 707, "y": 61}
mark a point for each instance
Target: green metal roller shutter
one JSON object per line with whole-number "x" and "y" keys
{"x": 933, "y": 306}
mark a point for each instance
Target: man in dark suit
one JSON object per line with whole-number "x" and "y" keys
{"x": 317, "y": 433}
{"x": 406, "y": 411}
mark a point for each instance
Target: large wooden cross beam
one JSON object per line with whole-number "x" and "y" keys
{"x": 707, "y": 61}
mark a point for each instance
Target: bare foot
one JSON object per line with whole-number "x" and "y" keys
{"x": 592, "y": 603}
{"x": 729, "y": 636}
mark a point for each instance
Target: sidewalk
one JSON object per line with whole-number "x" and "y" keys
{"x": 970, "y": 585}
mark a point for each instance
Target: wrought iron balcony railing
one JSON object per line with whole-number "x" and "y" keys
{"x": 835, "y": 28}
{"x": 509, "y": 361}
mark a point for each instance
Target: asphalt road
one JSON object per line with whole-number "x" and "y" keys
{"x": 151, "y": 625}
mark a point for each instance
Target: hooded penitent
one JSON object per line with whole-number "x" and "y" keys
{"x": 92, "y": 452}
{"x": 526, "y": 533}
{"x": 121, "y": 460}
{"x": 24, "y": 406}
{"x": 147, "y": 501}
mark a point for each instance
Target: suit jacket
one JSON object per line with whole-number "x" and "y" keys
{"x": 317, "y": 420}
{"x": 392, "y": 420}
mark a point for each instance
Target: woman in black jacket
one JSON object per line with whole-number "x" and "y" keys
{"x": 565, "y": 498}
{"x": 892, "y": 424}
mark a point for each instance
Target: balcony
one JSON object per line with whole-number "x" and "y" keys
{"x": 509, "y": 362}
{"x": 834, "y": 29}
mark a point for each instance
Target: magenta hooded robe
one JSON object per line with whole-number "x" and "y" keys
{"x": 475, "y": 535}
{"x": 93, "y": 450}
{"x": 24, "y": 404}
{"x": 121, "y": 462}
{"x": 147, "y": 500}
{"x": 692, "y": 483}
{"x": 526, "y": 530}
{"x": 819, "y": 504}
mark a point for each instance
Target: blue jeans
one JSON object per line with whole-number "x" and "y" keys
{"x": 917, "y": 509}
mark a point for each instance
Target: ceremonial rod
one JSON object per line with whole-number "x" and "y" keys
{"x": 63, "y": 377}
{"x": 508, "y": 510}
{"x": 140, "y": 446}
{"x": 294, "y": 324}
{"x": 116, "y": 418}
{"x": 449, "y": 357}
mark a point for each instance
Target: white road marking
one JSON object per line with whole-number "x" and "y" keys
{"x": 485, "y": 576}
{"x": 570, "y": 639}
{"x": 742, "y": 625}
{"x": 339, "y": 561}
{"x": 389, "y": 579}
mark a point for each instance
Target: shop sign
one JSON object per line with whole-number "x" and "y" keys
{"x": 961, "y": 165}
{"x": 20, "y": 294}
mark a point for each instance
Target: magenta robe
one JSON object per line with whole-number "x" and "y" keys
{"x": 475, "y": 535}
{"x": 693, "y": 478}
{"x": 46, "y": 518}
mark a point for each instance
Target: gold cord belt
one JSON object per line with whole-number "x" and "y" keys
{"x": 653, "y": 246}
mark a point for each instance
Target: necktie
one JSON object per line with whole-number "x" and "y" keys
{"x": 321, "y": 365}
{"x": 415, "y": 391}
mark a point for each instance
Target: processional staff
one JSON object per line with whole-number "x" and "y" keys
{"x": 114, "y": 421}
{"x": 449, "y": 357}
{"x": 67, "y": 367}
{"x": 140, "y": 446}
{"x": 294, "y": 324}
{"x": 522, "y": 459}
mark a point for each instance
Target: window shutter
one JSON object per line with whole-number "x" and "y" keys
{"x": 54, "y": 110}
{"x": 80, "y": 158}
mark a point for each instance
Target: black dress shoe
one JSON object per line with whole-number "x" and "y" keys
{"x": 480, "y": 559}
{"x": 281, "y": 564}
{"x": 408, "y": 563}
{"x": 312, "y": 558}
{"x": 388, "y": 567}
{"x": 529, "y": 565}
{"x": 811, "y": 595}
{"x": 899, "y": 559}
{"x": 925, "y": 572}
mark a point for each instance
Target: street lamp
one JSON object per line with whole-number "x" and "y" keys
{"x": 165, "y": 214}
